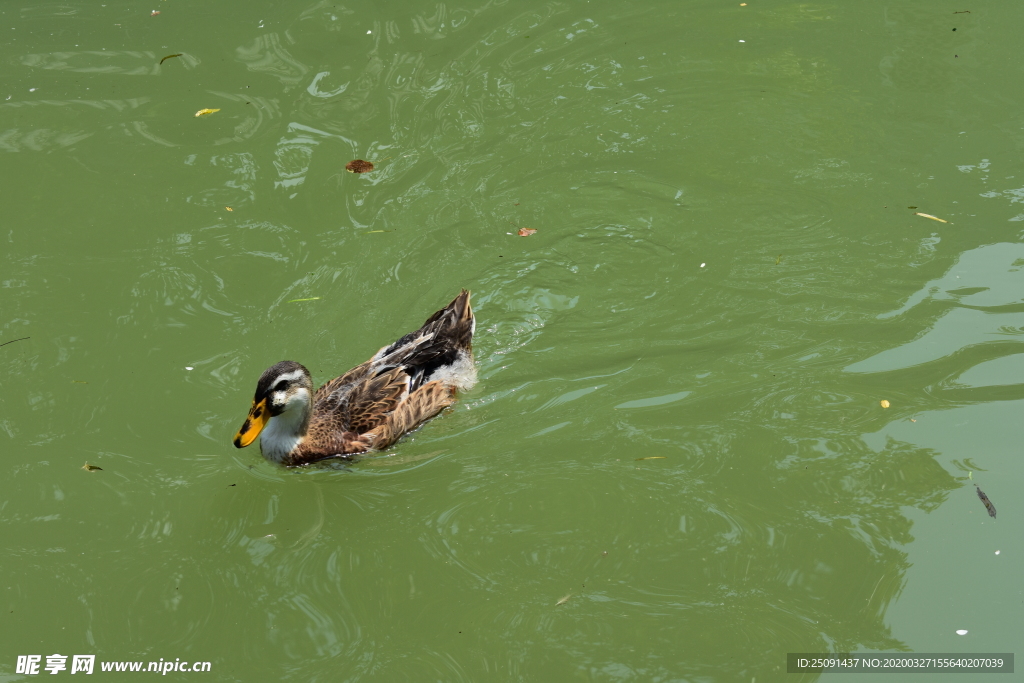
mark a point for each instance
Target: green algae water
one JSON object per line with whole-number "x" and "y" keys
{"x": 676, "y": 466}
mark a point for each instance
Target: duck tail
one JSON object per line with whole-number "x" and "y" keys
{"x": 454, "y": 322}
{"x": 464, "y": 317}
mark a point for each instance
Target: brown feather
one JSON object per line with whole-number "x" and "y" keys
{"x": 372, "y": 405}
{"x": 422, "y": 404}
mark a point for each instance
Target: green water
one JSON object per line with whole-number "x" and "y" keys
{"x": 675, "y": 467}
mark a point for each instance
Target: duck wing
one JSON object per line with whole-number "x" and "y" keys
{"x": 359, "y": 400}
{"x": 401, "y": 386}
{"x": 444, "y": 339}
{"x": 421, "y": 405}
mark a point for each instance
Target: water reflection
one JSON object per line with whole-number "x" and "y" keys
{"x": 978, "y": 302}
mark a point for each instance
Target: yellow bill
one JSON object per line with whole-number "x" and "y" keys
{"x": 259, "y": 415}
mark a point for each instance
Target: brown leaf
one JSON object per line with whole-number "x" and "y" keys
{"x": 176, "y": 54}
{"x": 526, "y": 232}
{"x": 986, "y": 502}
{"x": 359, "y": 166}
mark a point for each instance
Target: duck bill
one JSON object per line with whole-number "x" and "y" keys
{"x": 259, "y": 415}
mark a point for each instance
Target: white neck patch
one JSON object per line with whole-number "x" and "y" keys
{"x": 284, "y": 432}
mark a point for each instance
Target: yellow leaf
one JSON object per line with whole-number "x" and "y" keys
{"x": 205, "y": 112}
{"x": 883, "y": 403}
{"x": 928, "y": 215}
{"x": 229, "y": 208}
{"x": 90, "y": 468}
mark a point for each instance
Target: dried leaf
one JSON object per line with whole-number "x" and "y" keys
{"x": 359, "y": 166}
{"x": 228, "y": 208}
{"x": 883, "y": 403}
{"x": 988, "y": 503}
{"x": 154, "y": 13}
{"x": 176, "y": 54}
{"x": 206, "y": 112}
{"x": 90, "y": 468}
{"x": 312, "y": 298}
{"x": 526, "y": 232}
{"x": 928, "y": 215}
{"x": 562, "y": 601}
{"x": 654, "y": 457}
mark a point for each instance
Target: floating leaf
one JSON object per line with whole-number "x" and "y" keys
{"x": 228, "y": 208}
{"x": 312, "y": 298}
{"x": 206, "y": 112}
{"x": 359, "y": 166}
{"x": 883, "y": 403}
{"x": 78, "y": 381}
{"x": 526, "y": 232}
{"x": 778, "y": 260}
{"x": 154, "y": 13}
{"x": 90, "y": 468}
{"x": 176, "y": 54}
{"x": 928, "y": 215}
{"x": 654, "y": 457}
{"x": 987, "y": 503}
{"x": 562, "y": 601}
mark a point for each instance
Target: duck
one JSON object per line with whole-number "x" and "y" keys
{"x": 372, "y": 405}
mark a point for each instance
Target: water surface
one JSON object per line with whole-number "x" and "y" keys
{"x": 675, "y": 467}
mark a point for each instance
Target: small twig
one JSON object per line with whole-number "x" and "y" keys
{"x": 566, "y": 258}
{"x": 14, "y": 340}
